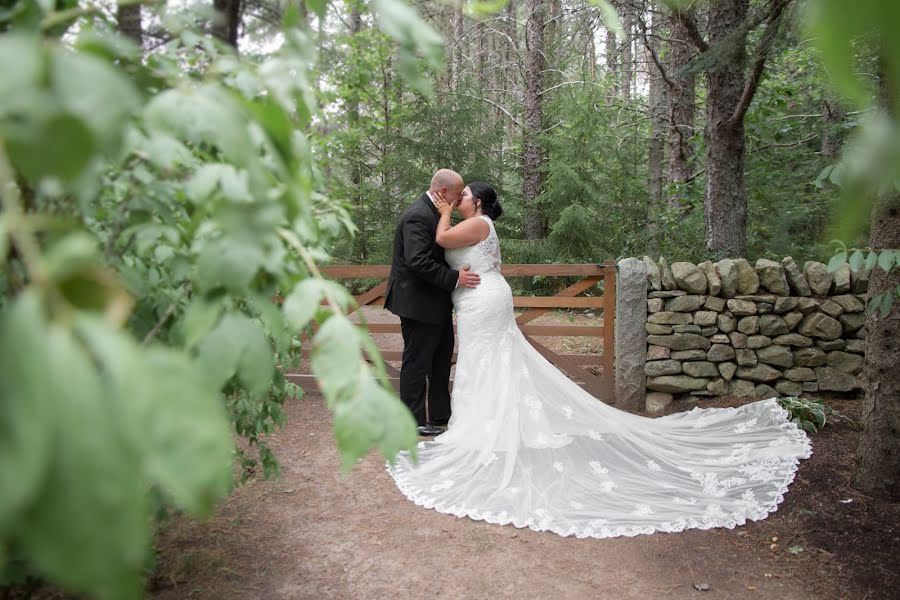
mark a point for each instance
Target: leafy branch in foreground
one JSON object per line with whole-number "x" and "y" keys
{"x": 152, "y": 209}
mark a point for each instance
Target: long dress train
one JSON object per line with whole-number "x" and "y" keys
{"x": 529, "y": 447}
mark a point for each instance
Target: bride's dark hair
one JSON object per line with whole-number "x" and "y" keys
{"x": 490, "y": 206}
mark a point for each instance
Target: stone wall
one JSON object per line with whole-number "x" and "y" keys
{"x": 729, "y": 328}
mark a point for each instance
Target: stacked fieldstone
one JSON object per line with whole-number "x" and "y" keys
{"x": 729, "y": 328}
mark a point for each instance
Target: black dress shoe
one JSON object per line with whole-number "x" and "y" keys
{"x": 429, "y": 430}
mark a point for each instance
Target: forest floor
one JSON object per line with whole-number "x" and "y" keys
{"x": 317, "y": 534}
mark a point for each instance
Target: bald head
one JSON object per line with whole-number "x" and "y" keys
{"x": 447, "y": 181}
{"x": 449, "y": 184}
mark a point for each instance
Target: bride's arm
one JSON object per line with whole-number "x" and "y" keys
{"x": 467, "y": 233}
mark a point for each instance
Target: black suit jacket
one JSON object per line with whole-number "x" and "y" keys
{"x": 420, "y": 282}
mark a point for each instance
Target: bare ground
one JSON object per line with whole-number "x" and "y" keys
{"x": 316, "y": 534}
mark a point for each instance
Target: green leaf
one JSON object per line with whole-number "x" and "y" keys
{"x": 372, "y": 417}
{"x": 205, "y": 114}
{"x": 837, "y": 261}
{"x": 795, "y": 549}
{"x": 228, "y": 263}
{"x": 610, "y": 18}
{"x": 819, "y": 417}
{"x": 874, "y": 303}
{"x": 336, "y": 358}
{"x": 72, "y": 254}
{"x": 256, "y": 367}
{"x": 199, "y": 318}
{"x": 856, "y": 261}
{"x": 871, "y": 260}
{"x": 170, "y": 413}
{"x": 26, "y": 413}
{"x": 88, "y": 531}
{"x": 886, "y": 303}
{"x": 808, "y": 426}
{"x": 61, "y": 146}
{"x": 301, "y": 304}
{"x": 403, "y": 24}
{"x": 238, "y": 346}
{"x": 886, "y": 260}
{"x": 318, "y": 6}
{"x": 94, "y": 91}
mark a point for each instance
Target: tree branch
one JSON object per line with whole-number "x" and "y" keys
{"x": 653, "y": 55}
{"x": 773, "y": 24}
{"x": 691, "y": 27}
{"x": 492, "y": 103}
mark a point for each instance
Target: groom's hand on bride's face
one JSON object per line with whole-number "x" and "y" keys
{"x": 467, "y": 278}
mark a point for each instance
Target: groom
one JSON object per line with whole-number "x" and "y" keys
{"x": 418, "y": 292}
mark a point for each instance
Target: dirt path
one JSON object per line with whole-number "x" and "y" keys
{"x": 314, "y": 534}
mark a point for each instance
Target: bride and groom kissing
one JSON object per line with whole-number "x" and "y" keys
{"x": 524, "y": 444}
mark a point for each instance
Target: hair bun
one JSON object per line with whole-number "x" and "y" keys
{"x": 490, "y": 205}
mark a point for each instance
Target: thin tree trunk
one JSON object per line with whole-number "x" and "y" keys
{"x": 833, "y": 116}
{"x": 612, "y": 48}
{"x": 878, "y": 453}
{"x": 532, "y": 177}
{"x": 657, "y": 102}
{"x": 682, "y": 108}
{"x": 129, "y": 23}
{"x": 591, "y": 52}
{"x": 228, "y": 23}
{"x": 627, "y": 64}
{"x": 360, "y": 251}
{"x": 510, "y": 70}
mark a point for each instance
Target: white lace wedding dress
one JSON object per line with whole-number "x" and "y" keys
{"x": 528, "y": 446}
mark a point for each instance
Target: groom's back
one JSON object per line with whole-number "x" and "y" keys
{"x": 409, "y": 294}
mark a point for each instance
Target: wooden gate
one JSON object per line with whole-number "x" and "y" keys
{"x": 574, "y": 365}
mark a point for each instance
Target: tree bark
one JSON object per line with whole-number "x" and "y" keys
{"x": 682, "y": 108}
{"x": 228, "y": 24}
{"x": 878, "y": 453}
{"x": 627, "y": 63}
{"x": 656, "y": 100}
{"x": 129, "y": 23}
{"x": 833, "y": 116}
{"x": 458, "y": 26}
{"x": 360, "y": 250}
{"x": 725, "y": 209}
{"x": 532, "y": 177}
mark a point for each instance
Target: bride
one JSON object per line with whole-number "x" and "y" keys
{"x": 527, "y": 446}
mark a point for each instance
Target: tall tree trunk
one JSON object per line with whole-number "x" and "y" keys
{"x": 591, "y": 53}
{"x": 730, "y": 89}
{"x": 878, "y": 453}
{"x": 612, "y": 47}
{"x": 532, "y": 177}
{"x": 360, "y": 250}
{"x": 627, "y": 63}
{"x": 657, "y": 102}
{"x": 228, "y": 22}
{"x": 682, "y": 108}
{"x": 833, "y": 117}
{"x": 725, "y": 208}
{"x": 129, "y": 23}
{"x": 457, "y": 24}
{"x": 511, "y": 69}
